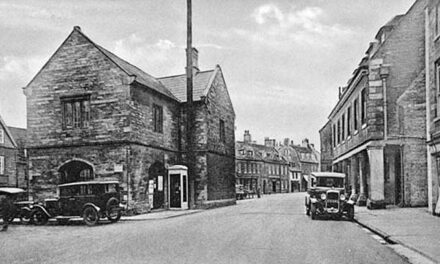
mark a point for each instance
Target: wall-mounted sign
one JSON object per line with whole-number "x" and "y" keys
{"x": 160, "y": 183}
{"x": 118, "y": 168}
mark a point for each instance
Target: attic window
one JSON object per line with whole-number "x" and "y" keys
{"x": 250, "y": 153}
{"x": 222, "y": 131}
{"x": 241, "y": 151}
{"x": 2, "y": 136}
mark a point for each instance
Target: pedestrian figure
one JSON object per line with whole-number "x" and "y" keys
{"x": 258, "y": 192}
{"x": 6, "y": 209}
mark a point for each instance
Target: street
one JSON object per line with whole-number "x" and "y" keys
{"x": 273, "y": 229}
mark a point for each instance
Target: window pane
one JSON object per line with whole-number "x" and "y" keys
{"x": 68, "y": 114}
{"x": 77, "y": 114}
{"x": 85, "y": 113}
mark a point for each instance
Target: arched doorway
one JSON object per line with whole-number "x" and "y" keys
{"x": 156, "y": 174}
{"x": 75, "y": 171}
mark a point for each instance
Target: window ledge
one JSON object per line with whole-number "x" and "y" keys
{"x": 355, "y": 132}
{"x": 364, "y": 125}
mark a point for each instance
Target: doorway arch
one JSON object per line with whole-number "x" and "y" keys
{"x": 76, "y": 170}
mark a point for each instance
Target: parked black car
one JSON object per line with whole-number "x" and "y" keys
{"x": 90, "y": 200}
{"x": 22, "y": 206}
{"x": 326, "y": 196}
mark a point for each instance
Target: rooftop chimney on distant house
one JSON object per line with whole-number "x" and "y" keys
{"x": 247, "y": 138}
{"x": 269, "y": 142}
{"x": 286, "y": 141}
{"x": 305, "y": 143}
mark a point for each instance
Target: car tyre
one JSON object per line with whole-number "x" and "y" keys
{"x": 39, "y": 217}
{"x": 313, "y": 211}
{"x": 113, "y": 211}
{"x": 25, "y": 216}
{"x": 90, "y": 216}
{"x": 350, "y": 213}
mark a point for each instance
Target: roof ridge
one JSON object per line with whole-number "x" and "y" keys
{"x": 183, "y": 74}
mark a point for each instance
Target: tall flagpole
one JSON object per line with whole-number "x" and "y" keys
{"x": 189, "y": 109}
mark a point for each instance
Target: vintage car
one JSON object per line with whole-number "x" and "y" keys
{"x": 90, "y": 200}
{"x": 326, "y": 196}
{"x": 22, "y": 206}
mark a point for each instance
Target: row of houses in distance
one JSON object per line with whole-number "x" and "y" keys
{"x": 384, "y": 131}
{"x": 274, "y": 167}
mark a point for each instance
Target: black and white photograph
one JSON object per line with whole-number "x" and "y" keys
{"x": 219, "y": 131}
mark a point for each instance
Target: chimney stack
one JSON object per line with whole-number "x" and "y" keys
{"x": 305, "y": 143}
{"x": 247, "y": 137}
{"x": 286, "y": 141}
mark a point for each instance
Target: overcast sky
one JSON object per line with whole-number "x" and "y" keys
{"x": 283, "y": 60}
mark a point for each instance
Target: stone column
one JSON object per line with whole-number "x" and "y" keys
{"x": 362, "y": 199}
{"x": 376, "y": 197}
{"x": 354, "y": 171}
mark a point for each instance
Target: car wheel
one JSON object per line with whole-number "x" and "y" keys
{"x": 313, "y": 211}
{"x": 90, "y": 216}
{"x": 25, "y": 216}
{"x": 38, "y": 217}
{"x": 113, "y": 210}
{"x": 350, "y": 213}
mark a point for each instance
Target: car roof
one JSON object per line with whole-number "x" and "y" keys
{"x": 328, "y": 174}
{"x": 87, "y": 182}
{"x": 11, "y": 190}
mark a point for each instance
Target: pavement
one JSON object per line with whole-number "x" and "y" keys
{"x": 159, "y": 214}
{"x": 414, "y": 228}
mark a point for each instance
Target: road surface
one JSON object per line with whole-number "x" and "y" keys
{"x": 273, "y": 229}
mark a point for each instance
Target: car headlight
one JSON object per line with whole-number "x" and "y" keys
{"x": 323, "y": 196}
{"x": 342, "y": 197}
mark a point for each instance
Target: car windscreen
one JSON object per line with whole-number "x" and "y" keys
{"x": 330, "y": 182}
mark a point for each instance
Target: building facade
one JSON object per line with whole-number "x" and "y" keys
{"x": 432, "y": 60}
{"x": 261, "y": 166}
{"x": 92, "y": 115}
{"x": 378, "y": 129}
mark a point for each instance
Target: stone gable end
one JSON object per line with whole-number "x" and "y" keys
{"x": 78, "y": 67}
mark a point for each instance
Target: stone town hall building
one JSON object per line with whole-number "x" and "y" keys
{"x": 93, "y": 116}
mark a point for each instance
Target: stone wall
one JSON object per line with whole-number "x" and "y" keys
{"x": 77, "y": 68}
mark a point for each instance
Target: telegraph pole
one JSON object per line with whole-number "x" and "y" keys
{"x": 190, "y": 157}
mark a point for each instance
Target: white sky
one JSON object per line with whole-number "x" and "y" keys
{"x": 283, "y": 60}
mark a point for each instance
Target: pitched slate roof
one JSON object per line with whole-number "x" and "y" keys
{"x": 141, "y": 76}
{"x": 19, "y": 134}
{"x": 177, "y": 84}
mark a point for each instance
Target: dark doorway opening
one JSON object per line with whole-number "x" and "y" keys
{"x": 175, "y": 190}
{"x": 157, "y": 177}
{"x": 75, "y": 171}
